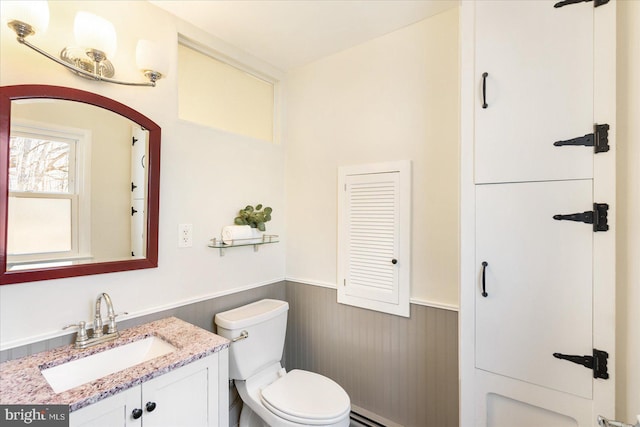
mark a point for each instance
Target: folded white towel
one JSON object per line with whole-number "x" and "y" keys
{"x": 257, "y": 235}
{"x": 236, "y": 234}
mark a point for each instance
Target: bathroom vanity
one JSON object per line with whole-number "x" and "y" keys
{"x": 183, "y": 383}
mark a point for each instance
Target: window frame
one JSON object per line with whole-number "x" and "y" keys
{"x": 79, "y": 191}
{"x": 256, "y": 73}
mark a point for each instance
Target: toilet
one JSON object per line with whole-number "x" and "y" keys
{"x": 272, "y": 396}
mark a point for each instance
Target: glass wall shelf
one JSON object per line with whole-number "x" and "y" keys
{"x": 256, "y": 242}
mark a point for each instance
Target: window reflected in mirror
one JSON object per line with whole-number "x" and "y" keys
{"x": 77, "y": 182}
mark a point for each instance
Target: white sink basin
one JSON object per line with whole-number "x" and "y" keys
{"x": 77, "y": 372}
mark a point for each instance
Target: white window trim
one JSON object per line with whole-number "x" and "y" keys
{"x": 276, "y": 82}
{"x": 404, "y": 236}
{"x": 81, "y": 211}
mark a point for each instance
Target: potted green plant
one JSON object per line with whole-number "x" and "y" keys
{"x": 255, "y": 217}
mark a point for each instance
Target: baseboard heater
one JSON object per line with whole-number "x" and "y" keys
{"x": 361, "y": 417}
{"x": 358, "y": 420}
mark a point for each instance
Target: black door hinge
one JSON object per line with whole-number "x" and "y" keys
{"x": 596, "y": 3}
{"x": 133, "y": 211}
{"x": 598, "y": 217}
{"x": 597, "y": 362}
{"x": 599, "y": 139}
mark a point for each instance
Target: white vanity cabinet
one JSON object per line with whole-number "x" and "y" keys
{"x": 195, "y": 395}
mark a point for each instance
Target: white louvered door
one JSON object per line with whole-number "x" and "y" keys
{"x": 373, "y": 235}
{"x": 371, "y": 230}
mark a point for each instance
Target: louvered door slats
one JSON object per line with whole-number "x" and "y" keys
{"x": 371, "y": 237}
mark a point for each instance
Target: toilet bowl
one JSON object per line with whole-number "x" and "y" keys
{"x": 272, "y": 396}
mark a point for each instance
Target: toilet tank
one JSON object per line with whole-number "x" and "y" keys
{"x": 265, "y": 321}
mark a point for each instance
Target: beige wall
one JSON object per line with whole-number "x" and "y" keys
{"x": 628, "y": 235}
{"x": 391, "y": 98}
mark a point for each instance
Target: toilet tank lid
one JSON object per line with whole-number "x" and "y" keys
{"x": 251, "y": 314}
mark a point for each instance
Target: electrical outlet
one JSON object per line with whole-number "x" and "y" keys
{"x": 185, "y": 235}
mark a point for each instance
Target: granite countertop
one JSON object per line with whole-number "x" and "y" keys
{"x": 21, "y": 381}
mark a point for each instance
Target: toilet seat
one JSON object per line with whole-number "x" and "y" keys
{"x": 306, "y": 398}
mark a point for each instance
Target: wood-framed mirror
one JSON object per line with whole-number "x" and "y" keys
{"x": 79, "y": 185}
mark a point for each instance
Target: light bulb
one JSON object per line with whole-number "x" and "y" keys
{"x": 150, "y": 57}
{"x": 94, "y": 32}
{"x": 35, "y": 13}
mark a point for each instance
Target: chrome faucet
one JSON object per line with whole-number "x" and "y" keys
{"x": 97, "y": 323}
{"x": 98, "y": 336}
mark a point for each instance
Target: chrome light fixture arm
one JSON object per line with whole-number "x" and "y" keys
{"x": 23, "y": 30}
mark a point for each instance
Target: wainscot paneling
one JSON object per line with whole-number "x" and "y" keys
{"x": 398, "y": 371}
{"x": 401, "y": 369}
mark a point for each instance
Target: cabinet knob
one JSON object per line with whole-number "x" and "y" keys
{"x": 150, "y": 406}
{"x": 136, "y": 413}
{"x": 394, "y": 261}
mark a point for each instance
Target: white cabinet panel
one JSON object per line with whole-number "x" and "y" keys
{"x": 114, "y": 411}
{"x": 550, "y": 76}
{"x": 140, "y": 142}
{"x": 538, "y": 281}
{"x": 181, "y": 398}
{"x": 533, "y": 53}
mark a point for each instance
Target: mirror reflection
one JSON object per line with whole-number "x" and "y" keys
{"x": 77, "y": 183}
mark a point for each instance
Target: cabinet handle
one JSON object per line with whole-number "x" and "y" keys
{"x": 136, "y": 413}
{"x": 484, "y": 90}
{"x": 150, "y": 406}
{"x": 484, "y": 283}
{"x": 394, "y": 261}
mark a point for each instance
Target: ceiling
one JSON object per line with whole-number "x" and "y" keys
{"x": 291, "y": 33}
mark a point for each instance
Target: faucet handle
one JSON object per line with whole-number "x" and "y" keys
{"x": 82, "y": 331}
{"x": 112, "y": 328}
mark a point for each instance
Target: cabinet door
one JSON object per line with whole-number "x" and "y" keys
{"x": 538, "y": 283}
{"x": 184, "y": 397}
{"x": 110, "y": 412}
{"x": 539, "y": 90}
{"x": 550, "y": 76}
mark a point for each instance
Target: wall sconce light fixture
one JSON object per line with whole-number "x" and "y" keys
{"x": 95, "y": 34}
